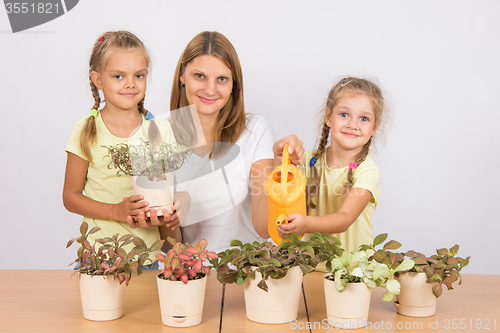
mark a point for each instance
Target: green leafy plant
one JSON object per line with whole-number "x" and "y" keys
{"x": 184, "y": 262}
{"x": 360, "y": 268}
{"x": 441, "y": 269}
{"x": 110, "y": 258}
{"x": 271, "y": 261}
{"x": 144, "y": 160}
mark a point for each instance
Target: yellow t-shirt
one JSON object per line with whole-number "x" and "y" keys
{"x": 102, "y": 184}
{"x": 329, "y": 199}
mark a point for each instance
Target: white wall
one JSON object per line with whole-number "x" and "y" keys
{"x": 437, "y": 60}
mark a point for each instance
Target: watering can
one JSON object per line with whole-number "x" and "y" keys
{"x": 285, "y": 188}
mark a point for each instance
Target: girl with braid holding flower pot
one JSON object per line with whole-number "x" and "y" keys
{"x": 342, "y": 179}
{"x": 119, "y": 66}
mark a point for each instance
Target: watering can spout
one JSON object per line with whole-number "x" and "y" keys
{"x": 285, "y": 188}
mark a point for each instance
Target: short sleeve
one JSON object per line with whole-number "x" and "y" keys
{"x": 368, "y": 176}
{"x": 264, "y": 136}
{"x": 73, "y": 145}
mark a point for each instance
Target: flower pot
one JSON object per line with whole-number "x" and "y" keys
{"x": 416, "y": 298}
{"x": 102, "y": 297}
{"x": 181, "y": 304}
{"x": 347, "y": 308}
{"x": 159, "y": 194}
{"x": 280, "y": 304}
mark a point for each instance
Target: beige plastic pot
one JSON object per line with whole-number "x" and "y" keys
{"x": 348, "y": 308}
{"x": 280, "y": 304}
{"x": 159, "y": 194}
{"x": 102, "y": 298}
{"x": 181, "y": 304}
{"x": 415, "y": 298}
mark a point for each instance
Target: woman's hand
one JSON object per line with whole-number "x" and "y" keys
{"x": 297, "y": 223}
{"x": 295, "y": 150}
{"x": 182, "y": 202}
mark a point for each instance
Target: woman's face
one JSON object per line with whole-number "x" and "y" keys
{"x": 208, "y": 83}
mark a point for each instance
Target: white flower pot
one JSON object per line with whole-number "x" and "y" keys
{"x": 159, "y": 194}
{"x": 102, "y": 297}
{"x": 280, "y": 304}
{"x": 348, "y": 308}
{"x": 416, "y": 298}
{"x": 181, "y": 304}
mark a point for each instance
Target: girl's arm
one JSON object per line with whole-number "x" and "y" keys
{"x": 76, "y": 202}
{"x": 354, "y": 203}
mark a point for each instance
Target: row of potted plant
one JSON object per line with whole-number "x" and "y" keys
{"x": 271, "y": 275}
{"x": 106, "y": 267}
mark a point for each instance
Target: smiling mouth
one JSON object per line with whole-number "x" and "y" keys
{"x": 351, "y": 135}
{"x": 207, "y": 100}
{"x": 129, "y": 95}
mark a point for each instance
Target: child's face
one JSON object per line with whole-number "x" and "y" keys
{"x": 123, "y": 79}
{"x": 352, "y": 122}
{"x": 208, "y": 83}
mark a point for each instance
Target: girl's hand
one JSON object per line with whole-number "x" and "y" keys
{"x": 295, "y": 150}
{"x": 297, "y": 223}
{"x": 182, "y": 202}
{"x": 131, "y": 206}
{"x": 137, "y": 213}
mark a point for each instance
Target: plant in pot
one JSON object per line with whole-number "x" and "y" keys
{"x": 272, "y": 275}
{"x": 423, "y": 284}
{"x": 151, "y": 168}
{"x": 182, "y": 282}
{"x": 349, "y": 284}
{"x": 103, "y": 296}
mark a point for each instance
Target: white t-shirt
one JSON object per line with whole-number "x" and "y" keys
{"x": 221, "y": 203}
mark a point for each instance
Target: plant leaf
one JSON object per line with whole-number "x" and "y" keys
{"x": 406, "y": 265}
{"x": 379, "y": 239}
{"x": 392, "y": 245}
{"x": 437, "y": 290}
{"x": 83, "y": 228}
{"x": 387, "y": 296}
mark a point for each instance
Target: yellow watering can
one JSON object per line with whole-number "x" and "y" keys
{"x": 285, "y": 188}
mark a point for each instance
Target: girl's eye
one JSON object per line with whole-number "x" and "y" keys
{"x": 343, "y": 115}
{"x": 364, "y": 119}
{"x": 118, "y": 76}
{"x": 140, "y": 76}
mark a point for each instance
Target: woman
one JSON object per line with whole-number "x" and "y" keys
{"x": 233, "y": 151}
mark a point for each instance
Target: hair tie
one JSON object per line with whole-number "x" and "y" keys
{"x": 345, "y": 83}
{"x": 101, "y": 39}
{"x": 353, "y": 165}
{"x": 93, "y": 113}
{"x": 312, "y": 162}
{"x": 149, "y": 116}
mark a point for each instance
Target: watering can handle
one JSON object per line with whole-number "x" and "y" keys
{"x": 284, "y": 172}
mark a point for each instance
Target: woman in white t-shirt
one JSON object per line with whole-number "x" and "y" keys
{"x": 234, "y": 152}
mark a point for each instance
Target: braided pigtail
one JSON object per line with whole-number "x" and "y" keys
{"x": 89, "y": 132}
{"x": 154, "y": 133}
{"x": 312, "y": 188}
{"x": 360, "y": 158}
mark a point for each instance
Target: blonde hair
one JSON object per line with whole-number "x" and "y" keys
{"x": 231, "y": 118}
{"x": 102, "y": 50}
{"x": 347, "y": 86}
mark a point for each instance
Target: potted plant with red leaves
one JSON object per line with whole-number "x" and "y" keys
{"x": 423, "y": 284}
{"x": 272, "y": 275}
{"x": 105, "y": 268}
{"x": 182, "y": 282}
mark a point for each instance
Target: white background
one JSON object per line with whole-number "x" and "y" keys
{"x": 436, "y": 60}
